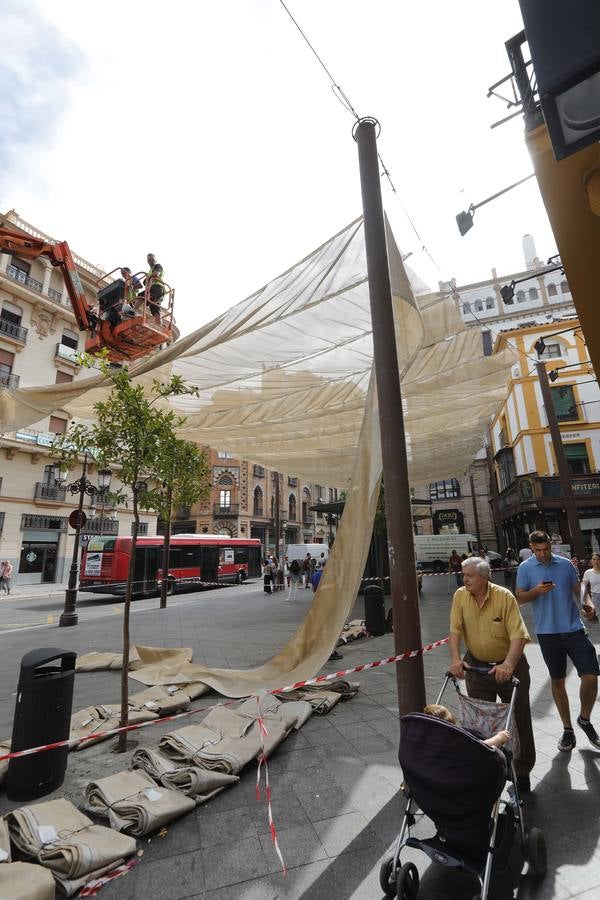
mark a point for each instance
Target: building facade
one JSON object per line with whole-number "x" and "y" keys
{"x": 39, "y": 340}
{"x": 529, "y": 493}
{"x": 242, "y": 504}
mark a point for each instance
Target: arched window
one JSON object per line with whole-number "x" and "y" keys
{"x": 305, "y": 505}
{"x": 520, "y": 296}
{"x": 292, "y": 508}
{"x": 257, "y": 506}
{"x": 533, "y": 294}
{"x": 564, "y": 288}
{"x": 552, "y": 292}
{"x": 466, "y": 307}
{"x": 479, "y": 305}
{"x": 226, "y": 479}
{"x": 490, "y": 303}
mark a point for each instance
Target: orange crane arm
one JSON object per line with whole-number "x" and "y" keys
{"x": 59, "y": 255}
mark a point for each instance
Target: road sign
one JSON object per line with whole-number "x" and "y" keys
{"x": 77, "y": 518}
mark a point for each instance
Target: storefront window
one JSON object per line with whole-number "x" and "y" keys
{"x": 577, "y": 458}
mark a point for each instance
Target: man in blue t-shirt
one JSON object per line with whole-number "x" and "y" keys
{"x": 551, "y": 584}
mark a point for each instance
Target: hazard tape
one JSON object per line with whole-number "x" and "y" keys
{"x": 319, "y": 679}
{"x": 434, "y": 574}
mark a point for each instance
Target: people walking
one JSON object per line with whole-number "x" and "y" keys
{"x": 511, "y": 564}
{"x": 306, "y": 570}
{"x": 267, "y": 576}
{"x": 551, "y": 584}
{"x": 487, "y": 618}
{"x": 6, "y": 571}
{"x": 591, "y": 582}
{"x": 295, "y": 578}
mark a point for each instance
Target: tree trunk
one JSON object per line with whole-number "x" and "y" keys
{"x": 166, "y": 548}
{"x": 122, "y": 745}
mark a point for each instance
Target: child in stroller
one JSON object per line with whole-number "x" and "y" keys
{"x": 442, "y": 712}
{"x": 457, "y": 780}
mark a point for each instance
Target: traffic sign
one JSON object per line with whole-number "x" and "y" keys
{"x": 76, "y": 518}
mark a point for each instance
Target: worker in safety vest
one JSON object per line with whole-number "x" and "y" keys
{"x": 155, "y": 285}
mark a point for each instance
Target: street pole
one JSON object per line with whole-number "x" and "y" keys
{"x": 69, "y": 615}
{"x": 495, "y": 500}
{"x": 475, "y": 513}
{"x": 403, "y": 576}
{"x": 277, "y": 517}
{"x": 166, "y": 548}
{"x": 561, "y": 463}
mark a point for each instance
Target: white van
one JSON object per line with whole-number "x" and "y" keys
{"x": 299, "y": 551}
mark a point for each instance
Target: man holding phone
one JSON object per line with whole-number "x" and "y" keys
{"x": 551, "y": 584}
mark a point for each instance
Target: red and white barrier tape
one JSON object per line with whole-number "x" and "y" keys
{"x": 320, "y": 679}
{"x": 96, "y": 884}
{"x": 262, "y": 760}
{"x": 434, "y": 574}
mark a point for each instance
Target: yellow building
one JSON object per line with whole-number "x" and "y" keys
{"x": 527, "y": 478}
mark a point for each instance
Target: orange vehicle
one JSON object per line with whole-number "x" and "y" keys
{"x": 149, "y": 324}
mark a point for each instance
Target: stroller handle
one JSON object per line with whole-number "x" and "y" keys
{"x": 483, "y": 670}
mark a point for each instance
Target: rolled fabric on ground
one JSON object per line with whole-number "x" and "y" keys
{"x": 292, "y": 715}
{"x": 4, "y": 748}
{"x": 26, "y": 881}
{"x": 64, "y": 840}
{"x": 101, "y": 661}
{"x": 94, "y": 719}
{"x": 190, "y": 780}
{"x": 134, "y": 803}
{"x": 162, "y": 700}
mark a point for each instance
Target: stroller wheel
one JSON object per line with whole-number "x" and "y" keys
{"x": 536, "y": 852}
{"x": 407, "y": 882}
{"x": 385, "y": 878}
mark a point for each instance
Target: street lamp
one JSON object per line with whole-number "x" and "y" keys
{"x": 464, "y": 219}
{"x": 82, "y": 487}
{"x": 507, "y": 292}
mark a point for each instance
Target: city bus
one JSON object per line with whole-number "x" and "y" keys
{"x": 194, "y": 560}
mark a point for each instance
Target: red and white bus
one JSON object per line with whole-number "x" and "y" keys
{"x": 194, "y": 560}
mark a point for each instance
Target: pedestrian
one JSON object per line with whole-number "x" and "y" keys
{"x": 551, "y": 584}
{"x": 455, "y": 566}
{"x": 6, "y": 571}
{"x": 295, "y": 578}
{"x": 267, "y": 576}
{"x": 313, "y": 566}
{"x": 511, "y": 564}
{"x": 487, "y": 618}
{"x": 154, "y": 285}
{"x": 524, "y": 553}
{"x": 591, "y": 582}
{"x": 306, "y": 570}
{"x": 287, "y": 571}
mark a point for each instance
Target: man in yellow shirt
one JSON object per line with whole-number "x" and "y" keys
{"x": 487, "y": 618}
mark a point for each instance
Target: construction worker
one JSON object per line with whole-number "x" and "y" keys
{"x": 155, "y": 289}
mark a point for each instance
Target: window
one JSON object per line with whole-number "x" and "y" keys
{"x": 564, "y": 288}
{"x": 552, "y": 291}
{"x": 63, "y": 377}
{"x": 479, "y": 305}
{"x": 520, "y": 296}
{"x": 490, "y": 303}
{"x": 222, "y": 454}
{"x": 70, "y": 339}
{"x": 444, "y": 490}
{"x": 21, "y": 265}
{"x": 577, "y": 459}
{"x": 224, "y": 499}
{"x": 57, "y": 425}
{"x": 6, "y": 363}
{"x": 272, "y": 507}
{"x": 506, "y": 467}
{"x": 305, "y": 505}
{"x": 292, "y": 508}
{"x": 533, "y": 294}
{"x": 551, "y": 351}
{"x": 257, "y": 506}
{"x": 318, "y": 491}
{"x": 564, "y": 402}
{"x": 466, "y": 307}
{"x": 11, "y": 313}
{"x": 226, "y": 479}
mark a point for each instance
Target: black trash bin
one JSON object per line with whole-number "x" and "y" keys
{"x": 374, "y": 610}
{"x": 42, "y": 716}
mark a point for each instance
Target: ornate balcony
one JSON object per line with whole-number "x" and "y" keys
{"x": 24, "y": 278}
{"x": 45, "y": 491}
{"x": 16, "y": 332}
{"x": 231, "y": 510}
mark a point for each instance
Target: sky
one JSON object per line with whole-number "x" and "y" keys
{"x": 209, "y": 134}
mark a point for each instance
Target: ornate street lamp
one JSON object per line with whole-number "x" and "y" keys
{"x": 82, "y": 487}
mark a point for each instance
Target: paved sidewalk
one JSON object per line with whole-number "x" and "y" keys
{"x": 334, "y": 784}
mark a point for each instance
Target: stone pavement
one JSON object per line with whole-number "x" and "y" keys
{"x": 334, "y": 784}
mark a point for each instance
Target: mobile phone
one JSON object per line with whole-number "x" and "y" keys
{"x": 547, "y": 582}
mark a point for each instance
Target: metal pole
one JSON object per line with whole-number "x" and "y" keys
{"x": 561, "y": 463}
{"x": 69, "y": 615}
{"x": 277, "y": 517}
{"x": 495, "y": 501}
{"x": 475, "y": 513}
{"x": 403, "y": 576}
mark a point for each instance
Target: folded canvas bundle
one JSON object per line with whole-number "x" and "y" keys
{"x": 162, "y": 700}
{"x": 322, "y": 698}
{"x": 201, "y": 784}
{"x": 292, "y": 715}
{"x": 133, "y": 802}
{"x": 353, "y": 630}
{"x": 26, "y": 881}
{"x": 4, "y": 748}
{"x": 100, "y": 660}
{"x": 223, "y": 741}
{"x": 63, "y": 839}
{"x": 99, "y": 719}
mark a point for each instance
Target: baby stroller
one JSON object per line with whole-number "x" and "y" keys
{"x": 457, "y": 781}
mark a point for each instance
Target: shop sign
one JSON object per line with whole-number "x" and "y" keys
{"x": 589, "y": 486}
{"x": 93, "y": 564}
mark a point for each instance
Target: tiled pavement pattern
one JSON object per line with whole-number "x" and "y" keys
{"x": 335, "y": 783}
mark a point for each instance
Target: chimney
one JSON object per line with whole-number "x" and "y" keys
{"x": 529, "y": 251}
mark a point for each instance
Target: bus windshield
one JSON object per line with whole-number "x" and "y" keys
{"x": 101, "y": 544}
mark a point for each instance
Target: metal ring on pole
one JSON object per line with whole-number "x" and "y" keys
{"x": 366, "y": 120}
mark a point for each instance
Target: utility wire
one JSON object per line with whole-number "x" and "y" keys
{"x": 343, "y": 98}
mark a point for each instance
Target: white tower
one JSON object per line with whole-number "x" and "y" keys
{"x": 529, "y": 252}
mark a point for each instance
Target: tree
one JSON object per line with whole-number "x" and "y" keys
{"x": 133, "y": 432}
{"x": 185, "y": 481}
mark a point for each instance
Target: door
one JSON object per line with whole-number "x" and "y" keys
{"x": 37, "y": 563}
{"x": 49, "y": 569}
{"x": 209, "y": 570}
{"x": 147, "y": 564}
